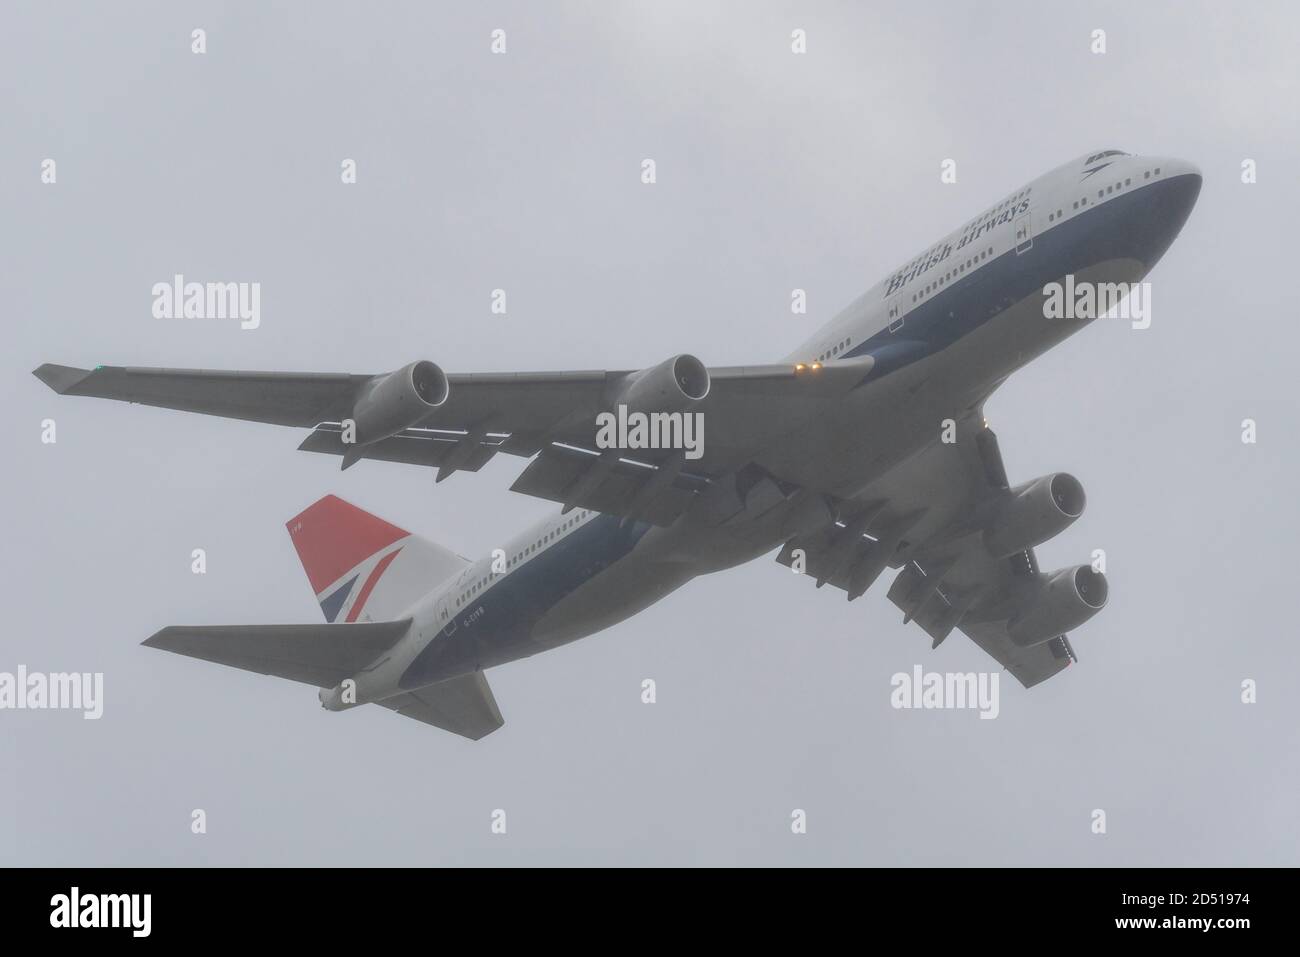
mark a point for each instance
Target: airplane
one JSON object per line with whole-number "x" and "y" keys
{"x": 864, "y": 450}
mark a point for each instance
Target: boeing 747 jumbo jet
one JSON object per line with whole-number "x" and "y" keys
{"x": 864, "y": 450}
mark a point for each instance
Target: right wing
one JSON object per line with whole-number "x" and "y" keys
{"x": 926, "y": 519}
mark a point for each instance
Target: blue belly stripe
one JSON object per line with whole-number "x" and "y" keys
{"x": 1134, "y": 225}
{"x": 512, "y": 605}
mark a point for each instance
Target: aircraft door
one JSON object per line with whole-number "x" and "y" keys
{"x": 894, "y": 313}
{"x": 445, "y": 617}
{"x": 1024, "y": 234}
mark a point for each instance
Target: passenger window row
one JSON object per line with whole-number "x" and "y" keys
{"x": 1115, "y": 187}
{"x": 995, "y": 211}
{"x": 527, "y": 550}
{"x": 953, "y": 273}
{"x": 841, "y": 346}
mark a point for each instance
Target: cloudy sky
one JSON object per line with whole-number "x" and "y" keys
{"x": 521, "y": 171}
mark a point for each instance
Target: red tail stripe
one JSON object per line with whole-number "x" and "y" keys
{"x": 332, "y": 537}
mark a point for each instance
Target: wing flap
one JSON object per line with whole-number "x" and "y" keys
{"x": 829, "y": 555}
{"x": 558, "y": 472}
{"x": 427, "y": 447}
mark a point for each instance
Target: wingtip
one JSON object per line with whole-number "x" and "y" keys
{"x": 60, "y": 378}
{"x": 158, "y": 638}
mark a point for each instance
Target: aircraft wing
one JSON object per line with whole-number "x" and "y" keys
{"x": 976, "y": 594}
{"x": 926, "y": 518}
{"x": 551, "y": 416}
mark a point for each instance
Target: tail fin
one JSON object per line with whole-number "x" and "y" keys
{"x": 361, "y": 567}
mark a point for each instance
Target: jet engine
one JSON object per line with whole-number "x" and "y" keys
{"x": 1035, "y": 512}
{"x": 674, "y": 385}
{"x": 398, "y": 400}
{"x": 1066, "y": 599}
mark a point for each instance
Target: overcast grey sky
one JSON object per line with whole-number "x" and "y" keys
{"x": 521, "y": 172}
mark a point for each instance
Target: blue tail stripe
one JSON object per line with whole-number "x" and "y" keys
{"x": 334, "y": 601}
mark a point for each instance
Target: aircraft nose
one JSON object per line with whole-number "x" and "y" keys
{"x": 1163, "y": 205}
{"x": 1175, "y": 192}
{"x": 1183, "y": 180}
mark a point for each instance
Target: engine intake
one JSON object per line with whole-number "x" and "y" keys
{"x": 1035, "y": 512}
{"x": 1066, "y": 599}
{"x": 674, "y": 385}
{"x": 398, "y": 400}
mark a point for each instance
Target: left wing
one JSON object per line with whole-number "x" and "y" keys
{"x": 422, "y": 416}
{"x": 930, "y": 518}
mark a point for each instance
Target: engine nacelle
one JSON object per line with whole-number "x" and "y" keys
{"x": 674, "y": 385}
{"x": 1066, "y": 599}
{"x": 1035, "y": 512}
{"x": 398, "y": 400}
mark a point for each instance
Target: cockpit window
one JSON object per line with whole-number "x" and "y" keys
{"x": 1097, "y": 156}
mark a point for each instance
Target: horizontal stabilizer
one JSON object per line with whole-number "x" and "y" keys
{"x": 321, "y": 655}
{"x": 462, "y": 705}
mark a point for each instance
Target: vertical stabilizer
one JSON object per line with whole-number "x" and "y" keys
{"x": 361, "y": 567}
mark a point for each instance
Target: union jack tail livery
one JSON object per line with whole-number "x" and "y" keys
{"x": 361, "y": 567}
{"x": 373, "y": 580}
